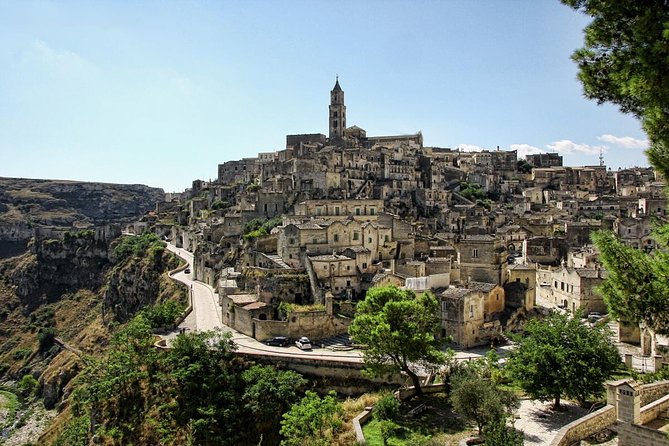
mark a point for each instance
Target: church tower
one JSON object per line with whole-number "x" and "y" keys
{"x": 337, "y": 112}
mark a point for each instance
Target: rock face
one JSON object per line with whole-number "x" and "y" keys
{"x": 55, "y": 266}
{"x": 26, "y": 204}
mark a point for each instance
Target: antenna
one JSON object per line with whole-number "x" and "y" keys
{"x": 601, "y": 156}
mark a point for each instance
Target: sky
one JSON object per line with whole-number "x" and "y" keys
{"x": 161, "y": 92}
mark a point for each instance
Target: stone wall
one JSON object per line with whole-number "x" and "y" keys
{"x": 632, "y": 434}
{"x": 653, "y": 392}
{"x": 314, "y": 325}
{"x": 653, "y": 410}
{"x": 585, "y": 426}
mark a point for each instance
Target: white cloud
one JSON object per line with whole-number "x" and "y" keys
{"x": 525, "y": 149}
{"x": 565, "y": 146}
{"x": 63, "y": 61}
{"x": 626, "y": 142}
{"x": 470, "y": 148}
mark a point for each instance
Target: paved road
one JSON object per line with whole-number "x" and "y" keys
{"x": 206, "y": 316}
{"x": 205, "y": 302}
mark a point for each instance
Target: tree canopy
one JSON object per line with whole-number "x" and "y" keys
{"x": 562, "y": 356}
{"x": 313, "y": 421}
{"x": 479, "y": 400}
{"x": 399, "y": 329}
{"x": 625, "y": 61}
{"x": 637, "y": 286}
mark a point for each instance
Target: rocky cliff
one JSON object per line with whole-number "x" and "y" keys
{"x": 26, "y": 204}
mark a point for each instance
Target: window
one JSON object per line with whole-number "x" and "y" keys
{"x": 348, "y": 267}
{"x": 318, "y": 211}
{"x": 386, "y": 238}
{"x": 369, "y": 239}
{"x": 291, "y": 241}
{"x": 372, "y": 211}
{"x": 336, "y": 210}
{"x": 356, "y": 235}
{"x": 475, "y": 252}
{"x": 315, "y": 241}
{"x": 348, "y": 283}
{"x": 364, "y": 265}
{"x": 357, "y": 211}
{"x": 336, "y": 237}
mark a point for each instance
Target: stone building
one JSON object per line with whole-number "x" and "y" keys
{"x": 574, "y": 289}
{"x": 337, "y": 112}
{"x": 471, "y": 316}
{"x": 482, "y": 259}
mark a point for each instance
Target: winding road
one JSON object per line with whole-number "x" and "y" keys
{"x": 206, "y": 315}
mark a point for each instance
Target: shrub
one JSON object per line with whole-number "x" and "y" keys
{"x": 387, "y": 408}
{"x": 28, "y": 384}
{"x": 46, "y": 336}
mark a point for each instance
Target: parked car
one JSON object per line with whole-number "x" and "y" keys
{"x": 278, "y": 341}
{"x": 594, "y": 316}
{"x": 187, "y": 270}
{"x": 303, "y": 343}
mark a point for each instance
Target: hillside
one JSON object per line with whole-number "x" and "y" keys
{"x": 77, "y": 289}
{"x": 27, "y": 203}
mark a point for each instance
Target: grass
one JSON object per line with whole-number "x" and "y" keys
{"x": 11, "y": 403}
{"x": 436, "y": 425}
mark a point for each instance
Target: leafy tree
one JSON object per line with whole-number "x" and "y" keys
{"x": 399, "y": 329}
{"x": 524, "y": 167}
{"x": 560, "y": 356}
{"x": 269, "y": 393}
{"x": 388, "y": 429}
{"x": 479, "y": 399}
{"x": 636, "y": 288}
{"x": 625, "y": 61}
{"x": 313, "y": 421}
{"x": 163, "y": 315}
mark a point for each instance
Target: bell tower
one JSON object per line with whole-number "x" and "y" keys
{"x": 337, "y": 112}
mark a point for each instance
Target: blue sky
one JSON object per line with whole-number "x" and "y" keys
{"x": 161, "y": 92}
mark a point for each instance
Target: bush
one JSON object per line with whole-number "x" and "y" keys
{"x": 28, "y": 385}
{"x": 259, "y": 227}
{"x": 137, "y": 246}
{"x": 164, "y": 315}
{"x": 46, "y": 336}
{"x": 387, "y": 408}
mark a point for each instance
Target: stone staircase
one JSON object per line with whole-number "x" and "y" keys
{"x": 278, "y": 261}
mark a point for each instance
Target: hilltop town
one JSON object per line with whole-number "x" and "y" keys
{"x": 291, "y": 239}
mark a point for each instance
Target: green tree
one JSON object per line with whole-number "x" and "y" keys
{"x": 625, "y": 61}
{"x": 313, "y": 421}
{"x": 561, "y": 356}
{"x": 269, "y": 393}
{"x": 636, "y": 288}
{"x": 399, "y": 328}
{"x": 478, "y": 398}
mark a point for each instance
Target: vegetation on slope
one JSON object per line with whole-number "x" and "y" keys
{"x": 196, "y": 393}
